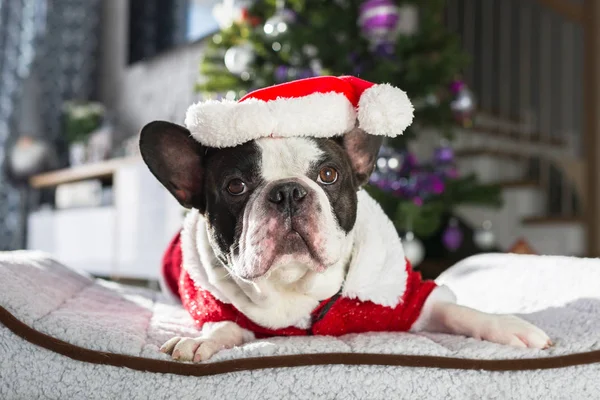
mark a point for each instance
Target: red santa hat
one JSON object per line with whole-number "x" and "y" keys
{"x": 322, "y": 107}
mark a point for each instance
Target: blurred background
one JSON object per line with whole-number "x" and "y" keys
{"x": 501, "y": 157}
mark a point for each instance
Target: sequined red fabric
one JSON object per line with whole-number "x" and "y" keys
{"x": 338, "y": 316}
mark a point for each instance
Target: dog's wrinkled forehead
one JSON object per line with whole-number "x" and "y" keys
{"x": 287, "y": 158}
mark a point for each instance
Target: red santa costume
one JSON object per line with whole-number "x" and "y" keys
{"x": 380, "y": 291}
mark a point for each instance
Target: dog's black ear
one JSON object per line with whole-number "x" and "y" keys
{"x": 362, "y": 150}
{"x": 176, "y": 160}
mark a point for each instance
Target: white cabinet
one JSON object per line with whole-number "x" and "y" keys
{"x": 126, "y": 239}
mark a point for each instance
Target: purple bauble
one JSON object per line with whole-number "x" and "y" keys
{"x": 453, "y": 236}
{"x": 443, "y": 155}
{"x": 436, "y": 185}
{"x": 410, "y": 163}
{"x": 305, "y": 73}
{"x": 385, "y": 49}
{"x": 457, "y": 85}
{"x": 378, "y": 20}
{"x": 451, "y": 173}
{"x": 281, "y": 73}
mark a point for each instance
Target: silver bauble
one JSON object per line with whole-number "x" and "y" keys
{"x": 484, "y": 237}
{"x": 413, "y": 249}
{"x": 238, "y": 59}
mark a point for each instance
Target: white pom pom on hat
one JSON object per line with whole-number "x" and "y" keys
{"x": 324, "y": 106}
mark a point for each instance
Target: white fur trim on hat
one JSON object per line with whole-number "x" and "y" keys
{"x": 228, "y": 123}
{"x": 384, "y": 110}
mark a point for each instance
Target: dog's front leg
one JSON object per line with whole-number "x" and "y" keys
{"x": 448, "y": 317}
{"x": 214, "y": 337}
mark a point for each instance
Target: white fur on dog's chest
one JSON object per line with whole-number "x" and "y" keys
{"x": 373, "y": 269}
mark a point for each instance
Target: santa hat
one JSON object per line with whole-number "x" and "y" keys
{"x": 322, "y": 107}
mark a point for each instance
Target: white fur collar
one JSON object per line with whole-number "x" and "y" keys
{"x": 377, "y": 270}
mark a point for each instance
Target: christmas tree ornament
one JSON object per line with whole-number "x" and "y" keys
{"x": 252, "y": 20}
{"x": 230, "y": 11}
{"x": 414, "y": 250}
{"x": 452, "y": 237}
{"x": 238, "y": 59}
{"x": 378, "y": 21}
{"x": 484, "y": 237}
{"x": 463, "y": 105}
{"x": 435, "y": 185}
{"x": 279, "y": 22}
{"x": 443, "y": 155}
{"x": 281, "y": 74}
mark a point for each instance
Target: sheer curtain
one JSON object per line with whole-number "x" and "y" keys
{"x": 52, "y": 47}
{"x": 21, "y": 27}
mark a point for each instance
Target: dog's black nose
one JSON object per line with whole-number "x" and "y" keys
{"x": 287, "y": 196}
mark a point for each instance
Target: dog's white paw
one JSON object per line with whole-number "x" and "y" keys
{"x": 191, "y": 349}
{"x": 513, "y": 331}
{"x": 215, "y": 337}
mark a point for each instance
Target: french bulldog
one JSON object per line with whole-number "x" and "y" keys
{"x": 281, "y": 228}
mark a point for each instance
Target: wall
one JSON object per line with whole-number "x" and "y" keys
{"x": 159, "y": 88}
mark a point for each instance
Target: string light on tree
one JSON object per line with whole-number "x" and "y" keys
{"x": 279, "y": 22}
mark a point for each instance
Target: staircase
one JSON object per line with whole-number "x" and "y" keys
{"x": 523, "y": 216}
{"x": 526, "y": 72}
{"x": 542, "y": 207}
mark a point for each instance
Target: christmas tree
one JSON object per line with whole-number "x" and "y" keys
{"x": 403, "y": 43}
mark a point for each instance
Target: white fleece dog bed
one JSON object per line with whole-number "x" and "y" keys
{"x": 64, "y": 335}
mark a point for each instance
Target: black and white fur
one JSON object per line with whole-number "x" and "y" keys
{"x": 290, "y": 241}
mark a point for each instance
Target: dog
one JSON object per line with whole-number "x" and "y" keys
{"x": 282, "y": 239}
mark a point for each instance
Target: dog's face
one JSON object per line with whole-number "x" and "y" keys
{"x": 269, "y": 204}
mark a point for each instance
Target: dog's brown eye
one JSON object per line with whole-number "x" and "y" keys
{"x": 328, "y": 176}
{"x": 236, "y": 187}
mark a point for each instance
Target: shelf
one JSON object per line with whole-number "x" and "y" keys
{"x": 520, "y": 137}
{"x": 477, "y": 152}
{"x": 518, "y": 184}
{"x": 80, "y": 173}
{"x": 552, "y": 220}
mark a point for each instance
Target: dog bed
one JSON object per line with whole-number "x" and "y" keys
{"x": 64, "y": 335}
